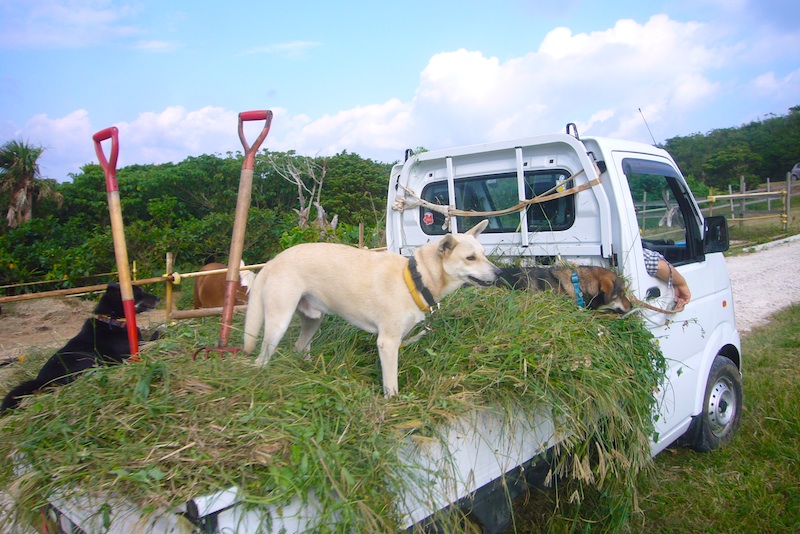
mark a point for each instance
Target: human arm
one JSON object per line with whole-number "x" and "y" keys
{"x": 659, "y": 267}
{"x": 666, "y": 272}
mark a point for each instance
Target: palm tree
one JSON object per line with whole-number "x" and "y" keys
{"x": 20, "y": 177}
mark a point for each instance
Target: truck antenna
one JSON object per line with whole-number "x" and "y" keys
{"x": 648, "y": 127}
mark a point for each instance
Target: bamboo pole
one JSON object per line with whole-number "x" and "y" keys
{"x": 78, "y": 290}
{"x": 168, "y": 290}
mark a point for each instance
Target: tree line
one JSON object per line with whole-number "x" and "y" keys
{"x": 61, "y": 231}
{"x": 186, "y": 208}
{"x": 762, "y": 149}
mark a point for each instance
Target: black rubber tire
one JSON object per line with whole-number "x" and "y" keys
{"x": 719, "y": 421}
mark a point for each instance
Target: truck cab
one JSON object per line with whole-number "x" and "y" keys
{"x": 595, "y": 201}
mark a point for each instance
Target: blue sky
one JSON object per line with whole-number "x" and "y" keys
{"x": 377, "y": 77}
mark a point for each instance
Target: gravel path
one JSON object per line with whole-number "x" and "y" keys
{"x": 764, "y": 280}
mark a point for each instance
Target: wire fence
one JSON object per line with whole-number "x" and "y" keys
{"x": 769, "y": 202}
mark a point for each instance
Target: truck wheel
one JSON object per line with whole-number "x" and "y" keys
{"x": 722, "y": 407}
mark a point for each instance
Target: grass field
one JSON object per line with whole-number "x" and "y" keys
{"x": 753, "y": 485}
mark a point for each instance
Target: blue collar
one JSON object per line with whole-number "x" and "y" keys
{"x": 578, "y": 290}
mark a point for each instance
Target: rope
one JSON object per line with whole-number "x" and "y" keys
{"x": 402, "y": 203}
{"x": 653, "y": 308}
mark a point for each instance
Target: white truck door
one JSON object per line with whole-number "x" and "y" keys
{"x": 670, "y": 222}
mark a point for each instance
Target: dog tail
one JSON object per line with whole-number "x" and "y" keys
{"x": 14, "y": 396}
{"x": 246, "y": 278}
{"x": 254, "y": 319}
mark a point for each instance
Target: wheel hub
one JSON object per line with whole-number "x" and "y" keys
{"x": 721, "y": 407}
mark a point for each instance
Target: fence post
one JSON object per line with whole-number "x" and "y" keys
{"x": 168, "y": 296}
{"x": 788, "y": 202}
{"x": 730, "y": 192}
{"x": 769, "y": 199}
{"x": 710, "y": 201}
{"x": 742, "y": 189}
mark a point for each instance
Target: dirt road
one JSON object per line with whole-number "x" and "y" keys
{"x": 764, "y": 281}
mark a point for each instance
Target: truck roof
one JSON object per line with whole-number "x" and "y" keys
{"x": 605, "y": 143}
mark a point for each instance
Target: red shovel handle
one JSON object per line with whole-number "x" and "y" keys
{"x": 250, "y": 151}
{"x": 118, "y": 233}
{"x": 109, "y": 165}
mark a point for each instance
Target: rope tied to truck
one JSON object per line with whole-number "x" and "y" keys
{"x": 411, "y": 200}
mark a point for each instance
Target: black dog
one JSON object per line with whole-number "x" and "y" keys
{"x": 103, "y": 340}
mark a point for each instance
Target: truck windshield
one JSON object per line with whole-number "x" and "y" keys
{"x": 497, "y": 192}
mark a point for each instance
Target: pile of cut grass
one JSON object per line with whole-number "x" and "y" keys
{"x": 169, "y": 428}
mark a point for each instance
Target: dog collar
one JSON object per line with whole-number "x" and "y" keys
{"x": 578, "y": 290}
{"x": 112, "y": 321}
{"x": 421, "y": 294}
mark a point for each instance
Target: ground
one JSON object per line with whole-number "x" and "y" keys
{"x": 41, "y": 323}
{"x": 764, "y": 281}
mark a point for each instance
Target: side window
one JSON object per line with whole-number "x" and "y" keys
{"x": 498, "y": 192}
{"x": 663, "y": 211}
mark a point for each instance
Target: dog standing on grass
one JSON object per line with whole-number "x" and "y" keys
{"x": 380, "y": 292}
{"x": 103, "y": 340}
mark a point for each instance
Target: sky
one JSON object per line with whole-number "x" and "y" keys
{"x": 374, "y": 78}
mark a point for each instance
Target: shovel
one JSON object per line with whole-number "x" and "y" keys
{"x": 118, "y": 233}
{"x": 239, "y": 225}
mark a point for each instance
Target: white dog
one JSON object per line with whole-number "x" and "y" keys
{"x": 380, "y": 292}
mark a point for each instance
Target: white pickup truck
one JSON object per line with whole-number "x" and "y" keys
{"x": 585, "y": 201}
{"x": 601, "y": 202}
{"x": 600, "y": 211}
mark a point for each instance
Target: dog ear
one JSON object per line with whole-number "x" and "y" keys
{"x": 478, "y": 228}
{"x": 446, "y": 244}
{"x": 610, "y": 285}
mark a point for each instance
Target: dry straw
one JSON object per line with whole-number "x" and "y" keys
{"x": 169, "y": 429}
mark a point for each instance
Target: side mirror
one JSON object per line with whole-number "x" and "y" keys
{"x": 716, "y": 234}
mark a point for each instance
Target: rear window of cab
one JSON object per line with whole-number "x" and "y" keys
{"x": 497, "y": 192}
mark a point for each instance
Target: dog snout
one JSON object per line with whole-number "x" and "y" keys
{"x": 488, "y": 278}
{"x": 148, "y": 303}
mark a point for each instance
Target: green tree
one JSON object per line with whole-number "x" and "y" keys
{"x": 356, "y": 188}
{"x": 21, "y": 180}
{"x": 775, "y": 140}
{"x": 726, "y": 166}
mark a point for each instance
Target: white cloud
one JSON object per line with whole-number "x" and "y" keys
{"x": 769, "y": 84}
{"x": 599, "y": 80}
{"x": 67, "y": 142}
{"x": 63, "y": 23}
{"x": 175, "y": 133}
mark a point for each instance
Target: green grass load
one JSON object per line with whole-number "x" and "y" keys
{"x": 169, "y": 428}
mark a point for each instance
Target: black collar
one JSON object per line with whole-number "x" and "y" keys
{"x": 112, "y": 321}
{"x": 417, "y": 277}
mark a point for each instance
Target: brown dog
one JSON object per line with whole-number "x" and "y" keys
{"x": 209, "y": 291}
{"x": 598, "y": 288}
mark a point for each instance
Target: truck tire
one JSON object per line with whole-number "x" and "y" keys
{"x": 716, "y": 425}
